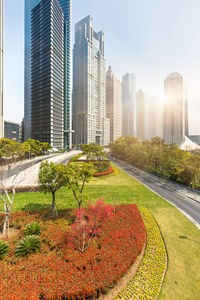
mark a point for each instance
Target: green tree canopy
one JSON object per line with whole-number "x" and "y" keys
{"x": 75, "y": 178}
{"x": 51, "y": 180}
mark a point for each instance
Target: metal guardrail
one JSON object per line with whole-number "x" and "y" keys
{"x": 178, "y": 188}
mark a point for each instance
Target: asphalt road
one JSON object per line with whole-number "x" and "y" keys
{"x": 189, "y": 207}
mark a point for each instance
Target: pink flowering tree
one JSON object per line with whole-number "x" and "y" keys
{"x": 88, "y": 224}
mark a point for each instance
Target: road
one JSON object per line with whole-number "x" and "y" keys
{"x": 189, "y": 207}
{"x": 29, "y": 176}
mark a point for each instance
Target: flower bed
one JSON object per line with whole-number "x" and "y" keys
{"x": 147, "y": 282}
{"x": 61, "y": 272}
{"x": 110, "y": 171}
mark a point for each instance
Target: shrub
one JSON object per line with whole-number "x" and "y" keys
{"x": 28, "y": 245}
{"x": 60, "y": 272}
{"x": 108, "y": 172}
{"x": 4, "y": 249}
{"x": 88, "y": 224}
{"x": 75, "y": 158}
{"x": 102, "y": 166}
{"x": 32, "y": 229}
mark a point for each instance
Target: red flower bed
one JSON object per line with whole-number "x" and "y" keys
{"x": 110, "y": 171}
{"x": 60, "y": 272}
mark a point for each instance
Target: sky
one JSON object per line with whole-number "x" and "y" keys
{"x": 150, "y": 38}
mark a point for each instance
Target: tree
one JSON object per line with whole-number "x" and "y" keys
{"x": 93, "y": 151}
{"x": 75, "y": 178}
{"x": 51, "y": 180}
{"x": 88, "y": 224}
{"x": 45, "y": 147}
{"x": 8, "y": 187}
{"x": 33, "y": 147}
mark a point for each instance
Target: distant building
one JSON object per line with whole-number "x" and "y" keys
{"x": 12, "y": 131}
{"x": 188, "y": 145}
{"x": 175, "y": 109}
{"x": 142, "y": 109}
{"x": 195, "y": 139}
{"x": 114, "y": 104}
{"x": 1, "y": 65}
{"x": 155, "y": 117}
{"x": 129, "y": 122}
{"x": 90, "y": 124}
{"x": 186, "y": 119}
{"x": 48, "y": 72}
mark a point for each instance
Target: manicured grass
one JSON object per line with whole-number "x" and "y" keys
{"x": 182, "y": 238}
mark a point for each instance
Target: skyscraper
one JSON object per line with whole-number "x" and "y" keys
{"x": 142, "y": 108}
{"x": 89, "y": 86}
{"x": 114, "y": 104}
{"x": 174, "y": 117}
{"x": 47, "y": 72}
{"x": 1, "y": 66}
{"x": 67, "y": 10}
{"x": 129, "y": 126}
{"x": 155, "y": 117}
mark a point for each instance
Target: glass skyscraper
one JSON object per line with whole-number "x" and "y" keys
{"x": 89, "y": 86}
{"x": 1, "y": 65}
{"x": 129, "y": 125}
{"x": 48, "y": 72}
{"x": 174, "y": 115}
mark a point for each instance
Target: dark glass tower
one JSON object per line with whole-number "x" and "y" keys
{"x": 47, "y": 66}
{"x": 67, "y": 10}
{"x": 48, "y": 71}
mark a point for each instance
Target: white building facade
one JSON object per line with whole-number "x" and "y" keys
{"x": 129, "y": 118}
{"x": 174, "y": 109}
{"x": 114, "y": 104}
{"x": 89, "y": 120}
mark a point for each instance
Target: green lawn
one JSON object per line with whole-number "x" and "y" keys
{"x": 182, "y": 238}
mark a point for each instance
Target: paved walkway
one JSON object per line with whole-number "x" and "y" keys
{"x": 29, "y": 176}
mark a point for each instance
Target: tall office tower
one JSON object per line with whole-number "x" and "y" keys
{"x": 67, "y": 10}
{"x": 186, "y": 121}
{"x": 47, "y": 72}
{"x": 89, "y": 86}
{"x": 1, "y": 66}
{"x": 114, "y": 104}
{"x": 155, "y": 117}
{"x": 174, "y": 118}
{"x": 142, "y": 108}
{"x": 129, "y": 124}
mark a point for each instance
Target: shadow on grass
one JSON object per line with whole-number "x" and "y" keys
{"x": 183, "y": 237}
{"x": 36, "y": 206}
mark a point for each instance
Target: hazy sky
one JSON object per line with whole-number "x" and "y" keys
{"x": 150, "y": 38}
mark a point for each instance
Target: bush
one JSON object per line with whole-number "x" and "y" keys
{"x": 4, "y": 249}
{"x": 88, "y": 224}
{"x": 75, "y": 158}
{"x": 28, "y": 245}
{"x": 60, "y": 272}
{"x": 102, "y": 166}
{"x": 33, "y": 229}
{"x": 108, "y": 172}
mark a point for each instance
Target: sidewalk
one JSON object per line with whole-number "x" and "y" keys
{"x": 29, "y": 176}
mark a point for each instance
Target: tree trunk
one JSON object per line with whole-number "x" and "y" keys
{"x": 6, "y": 225}
{"x": 53, "y": 203}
